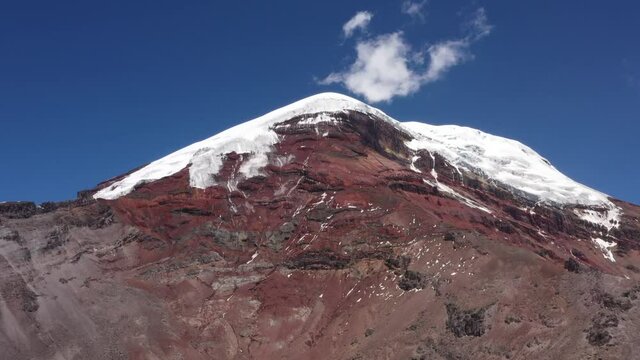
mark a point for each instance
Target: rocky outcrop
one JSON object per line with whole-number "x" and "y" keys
{"x": 465, "y": 322}
{"x": 26, "y": 209}
{"x": 18, "y": 210}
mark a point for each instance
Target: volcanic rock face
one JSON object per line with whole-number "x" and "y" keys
{"x": 335, "y": 237}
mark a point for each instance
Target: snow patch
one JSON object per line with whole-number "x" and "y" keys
{"x": 413, "y": 164}
{"x": 465, "y": 200}
{"x": 253, "y": 257}
{"x": 605, "y": 247}
{"x": 607, "y": 218}
{"x": 434, "y": 173}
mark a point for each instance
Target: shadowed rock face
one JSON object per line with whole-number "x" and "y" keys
{"x": 465, "y": 322}
{"x": 340, "y": 252}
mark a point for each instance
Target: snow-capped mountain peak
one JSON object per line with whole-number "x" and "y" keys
{"x": 500, "y": 160}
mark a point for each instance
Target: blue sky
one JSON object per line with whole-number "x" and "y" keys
{"x": 89, "y": 90}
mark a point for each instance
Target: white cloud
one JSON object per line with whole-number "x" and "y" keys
{"x": 414, "y": 8}
{"x": 387, "y": 67}
{"x": 359, "y": 21}
{"x": 381, "y": 70}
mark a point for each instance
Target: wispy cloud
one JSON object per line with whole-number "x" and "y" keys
{"x": 447, "y": 54}
{"x": 631, "y": 74}
{"x": 386, "y": 66}
{"x": 479, "y": 26}
{"x": 415, "y": 9}
{"x": 443, "y": 56}
{"x": 359, "y": 21}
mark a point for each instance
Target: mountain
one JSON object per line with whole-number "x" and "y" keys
{"x": 326, "y": 230}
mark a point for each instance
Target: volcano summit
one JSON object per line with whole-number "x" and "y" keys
{"x": 326, "y": 230}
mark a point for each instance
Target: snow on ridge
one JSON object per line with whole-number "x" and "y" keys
{"x": 255, "y": 137}
{"x": 503, "y": 160}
